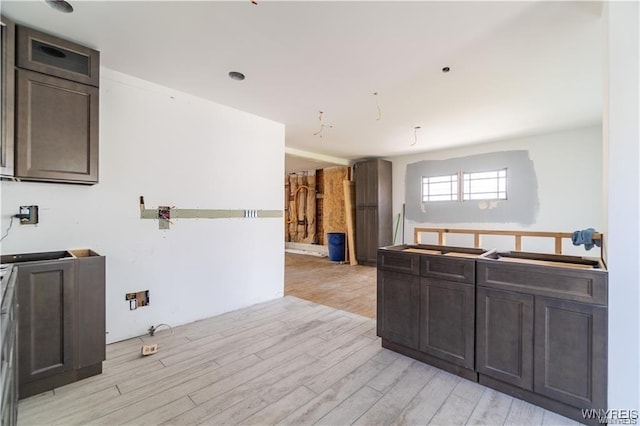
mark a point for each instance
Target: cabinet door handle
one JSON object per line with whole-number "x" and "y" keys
{"x": 52, "y": 51}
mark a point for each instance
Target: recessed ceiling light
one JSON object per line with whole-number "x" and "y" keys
{"x": 235, "y": 75}
{"x": 60, "y": 5}
{"x": 445, "y": 69}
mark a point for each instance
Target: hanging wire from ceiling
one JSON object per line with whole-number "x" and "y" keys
{"x": 322, "y": 125}
{"x": 415, "y": 135}
{"x": 378, "y": 106}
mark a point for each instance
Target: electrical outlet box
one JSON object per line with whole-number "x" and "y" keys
{"x": 28, "y": 215}
{"x": 137, "y": 299}
{"x": 149, "y": 349}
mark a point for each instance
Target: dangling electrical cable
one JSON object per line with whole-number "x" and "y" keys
{"x": 415, "y": 135}
{"x": 378, "y": 107}
{"x": 322, "y": 125}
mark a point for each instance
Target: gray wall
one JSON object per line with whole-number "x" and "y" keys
{"x": 521, "y": 205}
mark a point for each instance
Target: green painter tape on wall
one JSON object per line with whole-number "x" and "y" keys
{"x": 212, "y": 214}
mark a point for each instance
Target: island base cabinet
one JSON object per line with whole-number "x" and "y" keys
{"x": 571, "y": 352}
{"x": 399, "y": 308}
{"x": 447, "y": 320}
{"x": 505, "y": 336}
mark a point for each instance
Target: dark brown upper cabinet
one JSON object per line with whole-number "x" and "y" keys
{"x": 7, "y": 95}
{"x": 54, "y": 56}
{"x": 56, "y": 107}
{"x": 57, "y": 129}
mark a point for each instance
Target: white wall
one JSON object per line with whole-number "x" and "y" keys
{"x": 568, "y": 166}
{"x": 622, "y": 137}
{"x": 176, "y": 150}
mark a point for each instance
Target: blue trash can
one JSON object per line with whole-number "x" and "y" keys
{"x": 336, "y": 246}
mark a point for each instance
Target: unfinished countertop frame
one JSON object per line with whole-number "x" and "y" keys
{"x": 518, "y": 235}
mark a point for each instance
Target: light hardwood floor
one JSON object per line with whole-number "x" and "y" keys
{"x": 287, "y": 361}
{"x": 345, "y": 287}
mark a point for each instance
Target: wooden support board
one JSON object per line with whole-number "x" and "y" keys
{"x": 350, "y": 209}
{"x": 478, "y": 233}
{"x": 545, "y": 262}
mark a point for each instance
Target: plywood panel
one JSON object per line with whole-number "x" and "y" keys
{"x": 334, "y": 212}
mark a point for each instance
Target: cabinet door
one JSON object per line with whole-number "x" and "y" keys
{"x": 447, "y": 314}
{"x": 366, "y": 179}
{"x": 361, "y": 178}
{"x": 57, "y": 129}
{"x": 571, "y": 352}
{"x": 362, "y": 234}
{"x": 367, "y": 235}
{"x": 54, "y": 56}
{"x": 504, "y": 338}
{"x": 46, "y": 319}
{"x": 398, "y": 307}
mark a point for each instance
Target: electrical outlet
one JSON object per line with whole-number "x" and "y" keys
{"x": 28, "y": 215}
{"x": 149, "y": 349}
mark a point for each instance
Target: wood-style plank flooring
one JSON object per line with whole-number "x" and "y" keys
{"x": 345, "y": 287}
{"x": 287, "y": 361}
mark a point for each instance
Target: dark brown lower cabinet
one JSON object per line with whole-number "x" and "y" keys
{"x": 535, "y": 331}
{"x": 399, "y": 308}
{"x": 46, "y": 323}
{"x": 61, "y": 331}
{"x": 571, "y": 352}
{"x": 504, "y": 336}
{"x": 447, "y": 311}
{"x": 542, "y": 334}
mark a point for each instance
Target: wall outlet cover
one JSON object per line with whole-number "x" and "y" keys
{"x": 149, "y": 349}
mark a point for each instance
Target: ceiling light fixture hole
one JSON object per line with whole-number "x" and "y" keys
{"x": 235, "y": 75}
{"x": 60, "y": 5}
{"x": 446, "y": 69}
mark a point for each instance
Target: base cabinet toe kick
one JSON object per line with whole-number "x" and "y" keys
{"x": 531, "y": 326}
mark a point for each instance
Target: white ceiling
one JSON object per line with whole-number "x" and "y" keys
{"x": 517, "y": 68}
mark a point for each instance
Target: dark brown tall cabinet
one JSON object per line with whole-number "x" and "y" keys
{"x": 373, "y": 209}
{"x": 56, "y": 105}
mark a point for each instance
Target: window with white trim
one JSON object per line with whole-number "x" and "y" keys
{"x": 465, "y": 186}
{"x": 440, "y": 188}
{"x": 491, "y": 185}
